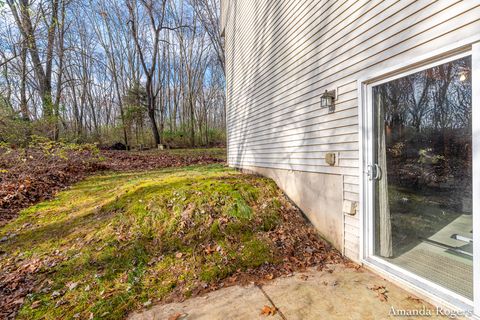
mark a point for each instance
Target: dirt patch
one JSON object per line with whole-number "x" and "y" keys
{"x": 149, "y": 160}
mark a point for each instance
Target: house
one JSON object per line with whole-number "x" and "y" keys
{"x": 367, "y": 115}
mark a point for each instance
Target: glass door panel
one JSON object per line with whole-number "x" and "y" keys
{"x": 423, "y": 174}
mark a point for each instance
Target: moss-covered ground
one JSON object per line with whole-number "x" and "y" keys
{"x": 118, "y": 242}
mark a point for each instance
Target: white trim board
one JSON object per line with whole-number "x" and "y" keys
{"x": 412, "y": 283}
{"x": 460, "y": 46}
{"x": 435, "y": 293}
{"x": 476, "y": 173}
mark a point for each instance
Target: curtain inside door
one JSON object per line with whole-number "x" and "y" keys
{"x": 385, "y": 226}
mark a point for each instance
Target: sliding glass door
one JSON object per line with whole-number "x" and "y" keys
{"x": 421, "y": 174}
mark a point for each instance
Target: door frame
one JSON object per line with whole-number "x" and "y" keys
{"x": 425, "y": 288}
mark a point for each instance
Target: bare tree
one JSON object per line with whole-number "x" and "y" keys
{"x": 21, "y": 10}
{"x": 71, "y": 65}
{"x": 156, "y": 18}
{"x": 209, "y": 13}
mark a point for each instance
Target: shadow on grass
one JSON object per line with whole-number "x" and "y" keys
{"x": 119, "y": 237}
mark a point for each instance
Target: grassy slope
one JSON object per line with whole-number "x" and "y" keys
{"x": 115, "y": 241}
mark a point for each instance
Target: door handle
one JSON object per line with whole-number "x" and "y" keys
{"x": 378, "y": 172}
{"x": 370, "y": 172}
{"x": 374, "y": 172}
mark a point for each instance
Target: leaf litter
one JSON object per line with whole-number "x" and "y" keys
{"x": 296, "y": 243}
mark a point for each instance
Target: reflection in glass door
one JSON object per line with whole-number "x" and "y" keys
{"x": 423, "y": 174}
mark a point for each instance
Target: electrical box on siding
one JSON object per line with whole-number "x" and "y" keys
{"x": 350, "y": 207}
{"x": 331, "y": 158}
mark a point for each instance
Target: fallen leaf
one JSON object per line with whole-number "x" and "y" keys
{"x": 414, "y": 299}
{"x": 269, "y": 276}
{"x": 175, "y": 316}
{"x": 72, "y": 285}
{"x": 60, "y": 302}
{"x": 268, "y": 311}
{"x": 35, "y": 304}
{"x": 376, "y": 287}
{"x": 209, "y": 250}
{"x": 382, "y": 297}
{"x": 178, "y": 255}
{"x": 381, "y": 292}
{"x": 148, "y": 303}
{"x": 353, "y": 265}
{"x": 124, "y": 277}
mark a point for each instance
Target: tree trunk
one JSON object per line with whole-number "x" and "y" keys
{"x": 23, "y": 85}
{"x": 151, "y": 111}
{"x": 192, "y": 122}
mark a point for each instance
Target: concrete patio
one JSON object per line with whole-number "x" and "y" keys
{"x": 337, "y": 292}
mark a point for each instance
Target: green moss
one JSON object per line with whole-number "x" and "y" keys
{"x": 132, "y": 237}
{"x": 215, "y": 231}
{"x": 213, "y": 268}
{"x": 271, "y": 215}
{"x": 255, "y": 253}
{"x": 239, "y": 208}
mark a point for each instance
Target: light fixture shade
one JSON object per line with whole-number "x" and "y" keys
{"x": 327, "y": 100}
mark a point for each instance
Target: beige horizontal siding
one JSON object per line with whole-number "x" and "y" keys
{"x": 351, "y": 237}
{"x": 348, "y": 187}
{"x": 305, "y": 63}
{"x": 281, "y": 55}
{"x": 352, "y": 221}
{"x": 301, "y": 118}
{"x": 305, "y": 59}
{"x": 300, "y": 167}
{"x": 351, "y": 196}
{"x": 351, "y": 180}
{"x": 343, "y": 155}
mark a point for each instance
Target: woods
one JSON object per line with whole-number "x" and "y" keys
{"x": 138, "y": 73}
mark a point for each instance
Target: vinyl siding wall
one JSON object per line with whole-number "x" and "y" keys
{"x": 281, "y": 55}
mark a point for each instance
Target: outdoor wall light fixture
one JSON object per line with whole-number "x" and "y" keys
{"x": 327, "y": 100}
